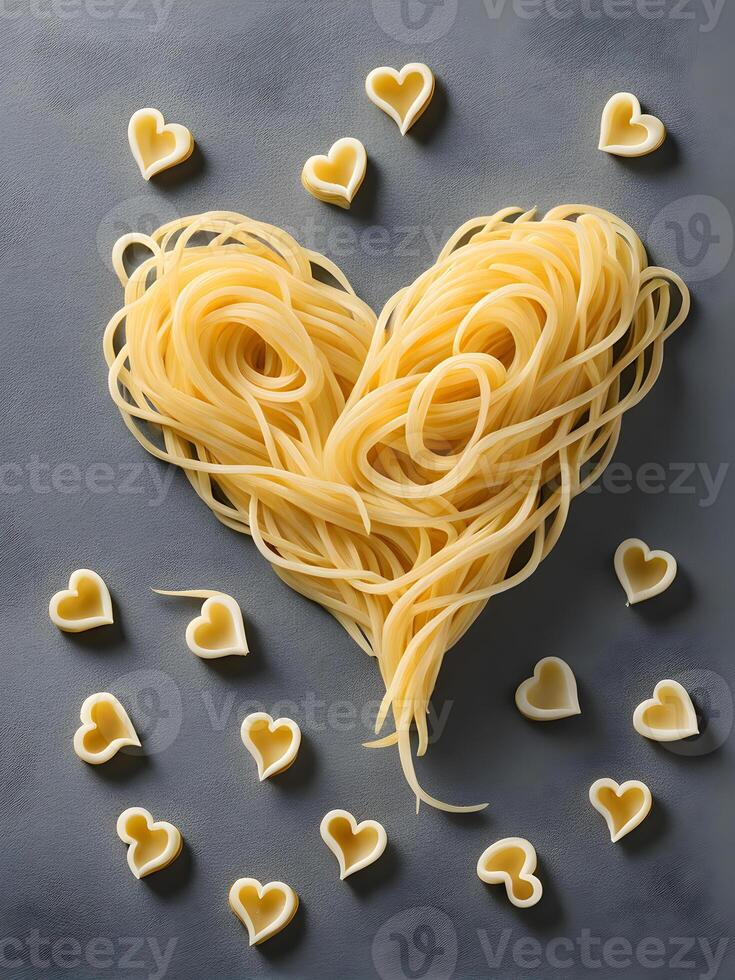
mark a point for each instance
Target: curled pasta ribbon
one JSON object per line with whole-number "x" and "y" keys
{"x": 391, "y": 468}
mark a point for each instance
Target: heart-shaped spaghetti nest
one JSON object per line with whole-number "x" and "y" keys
{"x": 391, "y": 468}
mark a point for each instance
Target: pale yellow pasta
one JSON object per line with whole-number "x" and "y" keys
{"x": 391, "y": 469}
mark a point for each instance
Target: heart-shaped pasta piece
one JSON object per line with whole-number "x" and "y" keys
{"x": 337, "y": 176}
{"x": 153, "y": 845}
{"x": 625, "y": 131}
{"x": 105, "y": 729}
{"x": 624, "y": 806}
{"x": 157, "y": 145}
{"x": 668, "y": 716}
{"x": 404, "y": 95}
{"x": 512, "y": 862}
{"x": 551, "y": 693}
{"x": 643, "y": 573}
{"x": 273, "y": 744}
{"x": 263, "y": 909}
{"x": 85, "y": 605}
{"x": 355, "y": 845}
{"x": 219, "y": 631}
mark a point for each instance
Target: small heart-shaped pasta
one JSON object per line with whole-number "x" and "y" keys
{"x": 643, "y": 573}
{"x": 273, "y": 744}
{"x": 404, "y": 95}
{"x": 625, "y": 131}
{"x": 337, "y": 176}
{"x": 624, "y": 806}
{"x": 668, "y": 716}
{"x": 157, "y": 145}
{"x": 153, "y": 844}
{"x": 354, "y": 845}
{"x": 551, "y": 693}
{"x": 84, "y": 605}
{"x": 512, "y": 862}
{"x": 219, "y": 631}
{"x": 105, "y": 729}
{"x": 263, "y": 909}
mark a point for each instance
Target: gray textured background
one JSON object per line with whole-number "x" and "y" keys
{"x": 263, "y": 85}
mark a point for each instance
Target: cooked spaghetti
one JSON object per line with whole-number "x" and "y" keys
{"x": 392, "y": 469}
